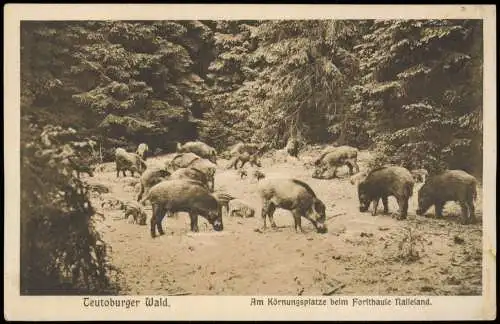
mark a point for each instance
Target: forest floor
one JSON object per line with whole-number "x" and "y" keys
{"x": 360, "y": 254}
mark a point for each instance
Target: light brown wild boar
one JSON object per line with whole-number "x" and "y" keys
{"x": 244, "y": 158}
{"x": 182, "y": 195}
{"x": 128, "y": 161}
{"x": 292, "y": 147}
{"x": 246, "y": 152}
{"x": 419, "y": 175}
{"x": 142, "y": 150}
{"x": 334, "y": 158}
{"x": 451, "y": 185}
{"x": 295, "y": 196}
{"x": 240, "y": 208}
{"x": 199, "y": 148}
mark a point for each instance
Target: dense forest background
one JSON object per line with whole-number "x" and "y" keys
{"x": 412, "y": 90}
{"x": 409, "y": 90}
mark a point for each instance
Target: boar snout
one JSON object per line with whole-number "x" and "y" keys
{"x": 218, "y": 226}
{"x": 321, "y": 228}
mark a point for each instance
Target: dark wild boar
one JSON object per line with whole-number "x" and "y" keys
{"x": 292, "y": 147}
{"x": 451, "y": 185}
{"x": 295, "y": 196}
{"x": 193, "y": 174}
{"x": 191, "y": 160}
{"x": 172, "y": 196}
{"x": 151, "y": 177}
{"x": 80, "y": 165}
{"x": 380, "y": 183}
{"x": 257, "y": 174}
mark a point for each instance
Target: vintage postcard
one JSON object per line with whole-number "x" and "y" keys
{"x": 249, "y": 162}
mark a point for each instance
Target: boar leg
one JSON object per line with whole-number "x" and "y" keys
{"x": 140, "y": 193}
{"x": 270, "y": 216}
{"x": 356, "y": 166}
{"x": 161, "y": 215}
{"x": 375, "y": 206}
{"x": 297, "y": 221}
{"x": 194, "y": 221}
{"x": 350, "y": 166}
{"x": 263, "y": 214}
{"x": 385, "y": 202}
{"x": 158, "y": 215}
{"x": 124, "y": 174}
{"x": 267, "y": 211}
{"x": 117, "y": 173}
{"x": 334, "y": 172}
{"x": 465, "y": 212}
{"x": 403, "y": 207}
{"x": 153, "y": 220}
{"x": 472, "y": 211}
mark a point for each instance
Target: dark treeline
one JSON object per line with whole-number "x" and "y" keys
{"x": 409, "y": 90}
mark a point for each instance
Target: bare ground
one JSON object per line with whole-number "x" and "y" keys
{"x": 360, "y": 254}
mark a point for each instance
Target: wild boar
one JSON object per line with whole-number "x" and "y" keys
{"x": 246, "y": 152}
{"x": 380, "y": 183}
{"x": 333, "y": 158}
{"x": 151, "y": 177}
{"x": 242, "y": 173}
{"x": 128, "y": 161}
{"x": 182, "y": 195}
{"x": 240, "y": 208}
{"x": 182, "y": 160}
{"x": 250, "y": 148}
{"x": 292, "y": 147}
{"x": 193, "y": 174}
{"x": 451, "y": 185}
{"x": 186, "y": 160}
{"x": 199, "y": 148}
{"x": 244, "y": 158}
{"x": 419, "y": 175}
{"x": 142, "y": 150}
{"x": 134, "y": 212}
{"x": 295, "y": 196}
{"x": 257, "y": 174}
{"x": 79, "y": 165}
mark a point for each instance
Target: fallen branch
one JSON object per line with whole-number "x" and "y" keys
{"x": 336, "y": 215}
{"x": 331, "y": 292}
{"x": 180, "y": 294}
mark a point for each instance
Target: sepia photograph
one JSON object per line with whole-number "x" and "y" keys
{"x": 291, "y": 163}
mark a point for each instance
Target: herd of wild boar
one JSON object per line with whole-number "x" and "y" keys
{"x": 186, "y": 183}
